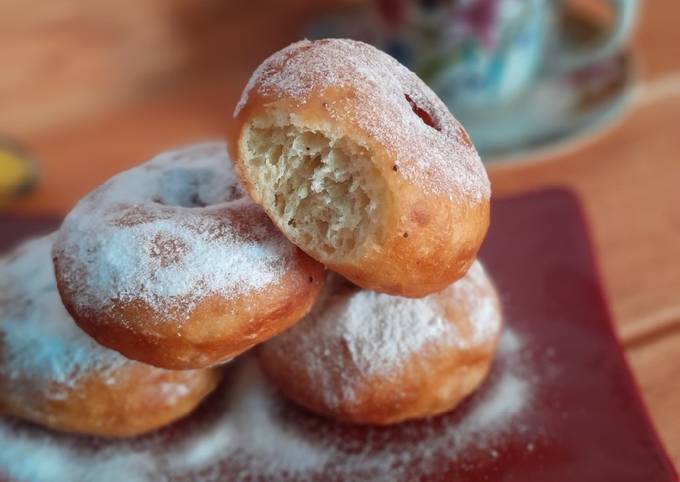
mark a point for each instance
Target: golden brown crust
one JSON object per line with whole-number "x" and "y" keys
{"x": 53, "y": 374}
{"x": 436, "y": 210}
{"x": 138, "y": 400}
{"x": 321, "y": 363}
{"x": 217, "y": 330}
{"x": 172, "y": 265}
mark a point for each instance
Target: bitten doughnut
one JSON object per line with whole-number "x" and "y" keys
{"x": 367, "y": 357}
{"x": 171, "y": 264}
{"x": 360, "y": 164}
{"x": 53, "y": 374}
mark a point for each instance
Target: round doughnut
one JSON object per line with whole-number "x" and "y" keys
{"x": 171, "y": 264}
{"x": 366, "y": 357}
{"x": 362, "y": 166}
{"x": 53, "y": 374}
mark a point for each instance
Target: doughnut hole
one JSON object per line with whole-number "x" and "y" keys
{"x": 194, "y": 188}
{"x": 323, "y": 191}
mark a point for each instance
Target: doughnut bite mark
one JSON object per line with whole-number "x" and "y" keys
{"x": 53, "y": 374}
{"x": 171, "y": 264}
{"x": 371, "y": 358}
{"x": 359, "y": 163}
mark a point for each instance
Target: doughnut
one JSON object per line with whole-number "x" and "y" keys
{"x": 171, "y": 264}
{"x": 360, "y": 164}
{"x": 53, "y": 374}
{"x": 371, "y": 358}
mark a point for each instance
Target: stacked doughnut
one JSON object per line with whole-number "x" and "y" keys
{"x": 171, "y": 264}
{"x": 362, "y": 166}
{"x": 171, "y": 270}
{"x": 53, "y": 374}
{"x": 342, "y": 159}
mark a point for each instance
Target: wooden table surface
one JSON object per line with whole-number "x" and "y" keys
{"x": 627, "y": 177}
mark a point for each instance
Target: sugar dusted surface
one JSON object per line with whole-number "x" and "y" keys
{"x": 168, "y": 233}
{"x": 380, "y": 333}
{"x": 43, "y": 352}
{"x": 440, "y": 158}
{"x": 247, "y": 432}
{"x": 485, "y": 317}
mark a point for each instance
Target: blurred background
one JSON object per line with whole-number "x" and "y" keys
{"x": 110, "y": 83}
{"x": 583, "y": 94}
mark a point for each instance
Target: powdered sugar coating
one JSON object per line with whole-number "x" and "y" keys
{"x": 252, "y": 434}
{"x": 169, "y": 233}
{"x": 45, "y": 356}
{"x": 481, "y": 305}
{"x": 391, "y": 105}
{"x": 379, "y": 334}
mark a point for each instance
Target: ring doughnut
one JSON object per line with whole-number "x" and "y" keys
{"x": 362, "y": 166}
{"x": 367, "y": 357}
{"x": 171, "y": 264}
{"x": 53, "y": 374}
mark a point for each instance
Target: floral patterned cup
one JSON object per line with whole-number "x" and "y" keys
{"x": 481, "y": 53}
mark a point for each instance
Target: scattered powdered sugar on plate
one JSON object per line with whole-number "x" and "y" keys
{"x": 169, "y": 233}
{"x": 389, "y": 103}
{"x": 38, "y": 457}
{"x": 247, "y": 432}
{"x": 250, "y": 427}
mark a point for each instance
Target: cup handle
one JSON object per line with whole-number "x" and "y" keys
{"x": 626, "y": 11}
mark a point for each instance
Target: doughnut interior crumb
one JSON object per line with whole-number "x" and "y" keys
{"x": 323, "y": 190}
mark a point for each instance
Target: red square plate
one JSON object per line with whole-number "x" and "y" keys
{"x": 559, "y": 406}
